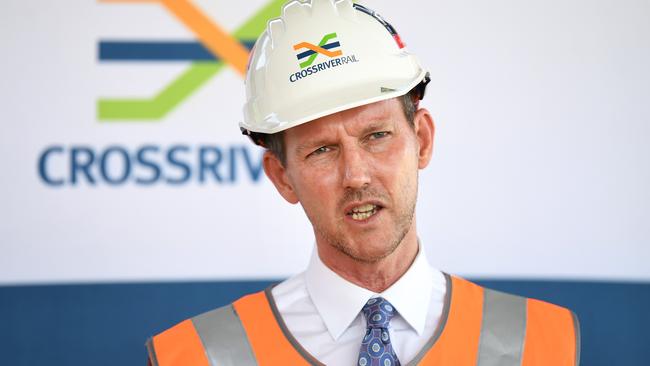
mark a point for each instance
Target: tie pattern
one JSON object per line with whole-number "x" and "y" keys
{"x": 376, "y": 349}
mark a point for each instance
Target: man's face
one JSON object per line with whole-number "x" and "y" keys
{"x": 355, "y": 173}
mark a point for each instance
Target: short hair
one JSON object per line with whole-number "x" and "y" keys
{"x": 275, "y": 142}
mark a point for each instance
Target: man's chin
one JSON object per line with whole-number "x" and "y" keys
{"x": 365, "y": 254}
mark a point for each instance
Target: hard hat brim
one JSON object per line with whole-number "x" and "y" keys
{"x": 350, "y": 99}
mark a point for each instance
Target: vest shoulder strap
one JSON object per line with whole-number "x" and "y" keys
{"x": 245, "y": 333}
{"x": 490, "y": 328}
{"x": 552, "y": 335}
{"x": 456, "y": 341}
{"x": 178, "y": 345}
{"x": 213, "y": 338}
{"x": 268, "y": 336}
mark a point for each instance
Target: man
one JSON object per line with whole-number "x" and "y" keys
{"x": 345, "y": 138}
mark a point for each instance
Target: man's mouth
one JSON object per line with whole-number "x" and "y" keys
{"x": 363, "y": 212}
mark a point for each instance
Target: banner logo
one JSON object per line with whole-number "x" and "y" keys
{"x": 323, "y": 48}
{"x": 214, "y": 50}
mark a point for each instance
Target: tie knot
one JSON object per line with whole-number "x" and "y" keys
{"x": 378, "y": 312}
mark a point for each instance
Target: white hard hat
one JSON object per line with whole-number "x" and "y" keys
{"x": 321, "y": 57}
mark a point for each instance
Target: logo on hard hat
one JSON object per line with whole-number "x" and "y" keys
{"x": 327, "y": 46}
{"x": 308, "y": 52}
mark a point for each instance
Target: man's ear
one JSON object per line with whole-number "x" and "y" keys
{"x": 424, "y": 132}
{"x": 276, "y": 172}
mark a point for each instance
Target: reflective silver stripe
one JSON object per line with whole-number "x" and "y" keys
{"x": 576, "y": 329}
{"x": 152, "y": 354}
{"x": 503, "y": 329}
{"x": 224, "y": 338}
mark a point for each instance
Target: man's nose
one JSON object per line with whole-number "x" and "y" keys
{"x": 355, "y": 167}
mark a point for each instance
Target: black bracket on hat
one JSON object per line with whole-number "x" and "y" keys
{"x": 421, "y": 88}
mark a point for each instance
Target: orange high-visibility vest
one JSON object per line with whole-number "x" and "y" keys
{"x": 478, "y": 327}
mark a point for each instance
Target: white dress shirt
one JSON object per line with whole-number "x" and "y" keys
{"x": 323, "y": 311}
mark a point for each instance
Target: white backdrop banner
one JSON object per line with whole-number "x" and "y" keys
{"x": 122, "y": 160}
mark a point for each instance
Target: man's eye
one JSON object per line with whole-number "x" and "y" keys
{"x": 378, "y": 135}
{"x": 320, "y": 150}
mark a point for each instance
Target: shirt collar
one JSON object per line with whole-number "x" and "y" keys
{"x": 339, "y": 301}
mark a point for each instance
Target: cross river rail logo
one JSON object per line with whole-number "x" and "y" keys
{"x": 153, "y": 164}
{"x": 215, "y": 50}
{"x": 328, "y": 46}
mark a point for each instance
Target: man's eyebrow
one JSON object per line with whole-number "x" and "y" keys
{"x": 376, "y": 124}
{"x": 310, "y": 144}
{"x": 372, "y": 126}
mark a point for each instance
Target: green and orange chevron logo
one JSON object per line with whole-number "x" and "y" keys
{"x": 215, "y": 50}
{"x": 323, "y": 48}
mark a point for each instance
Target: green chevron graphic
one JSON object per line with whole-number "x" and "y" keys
{"x": 154, "y": 109}
{"x": 323, "y": 42}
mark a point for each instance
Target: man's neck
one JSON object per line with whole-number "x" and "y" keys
{"x": 376, "y": 276}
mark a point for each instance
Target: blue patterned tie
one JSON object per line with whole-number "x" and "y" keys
{"x": 376, "y": 349}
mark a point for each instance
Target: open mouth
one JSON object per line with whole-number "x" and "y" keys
{"x": 363, "y": 212}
